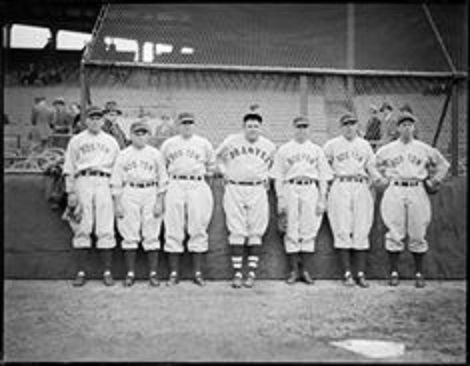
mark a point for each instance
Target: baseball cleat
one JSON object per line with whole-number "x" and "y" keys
{"x": 198, "y": 280}
{"x": 173, "y": 280}
{"x": 393, "y": 281}
{"x": 292, "y": 278}
{"x": 108, "y": 279}
{"x": 307, "y": 278}
{"x": 237, "y": 282}
{"x": 79, "y": 280}
{"x": 362, "y": 282}
{"x": 154, "y": 281}
{"x": 348, "y": 280}
{"x": 129, "y": 281}
{"x": 420, "y": 283}
{"x": 250, "y": 281}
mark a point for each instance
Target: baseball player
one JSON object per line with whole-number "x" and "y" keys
{"x": 188, "y": 201}
{"x": 350, "y": 202}
{"x": 301, "y": 173}
{"x": 406, "y": 210}
{"x": 138, "y": 184}
{"x": 245, "y": 160}
{"x": 89, "y": 159}
{"x": 111, "y": 113}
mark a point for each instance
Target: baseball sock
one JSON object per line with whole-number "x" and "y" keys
{"x": 81, "y": 256}
{"x": 360, "y": 257}
{"x": 237, "y": 259}
{"x": 345, "y": 256}
{"x": 393, "y": 258}
{"x": 197, "y": 263}
{"x": 306, "y": 259}
{"x": 174, "y": 262}
{"x": 253, "y": 259}
{"x": 129, "y": 256}
{"x": 418, "y": 259}
{"x": 152, "y": 256}
{"x": 293, "y": 262}
{"x": 107, "y": 258}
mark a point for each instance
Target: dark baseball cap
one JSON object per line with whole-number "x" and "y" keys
{"x": 94, "y": 111}
{"x": 185, "y": 117}
{"x": 347, "y": 118}
{"x": 406, "y": 116}
{"x": 140, "y": 126}
{"x": 112, "y": 109}
{"x": 301, "y": 121}
{"x": 59, "y": 100}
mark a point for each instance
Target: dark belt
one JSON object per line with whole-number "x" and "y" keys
{"x": 187, "y": 177}
{"x": 246, "y": 183}
{"x": 353, "y": 179}
{"x": 301, "y": 181}
{"x": 92, "y": 173}
{"x": 404, "y": 183}
{"x": 142, "y": 185}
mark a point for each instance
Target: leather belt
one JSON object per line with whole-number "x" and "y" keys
{"x": 187, "y": 177}
{"x": 353, "y": 179}
{"x": 405, "y": 183}
{"x": 301, "y": 181}
{"x": 246, "y": 183}
{"x": 142, "y": 185}
{"x": 92, "y": 173}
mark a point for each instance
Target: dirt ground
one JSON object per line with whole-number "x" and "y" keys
{"x": 51, "y": 321}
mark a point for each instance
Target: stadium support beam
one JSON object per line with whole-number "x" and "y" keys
{"x": 454, "y": 142}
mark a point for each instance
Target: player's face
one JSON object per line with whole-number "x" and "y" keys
{"x": 186, "y": 128}
{"x": 252, "y": 128}
{"x": 301, "y": 131}
{"x": 94, "y": 123}
{"x": 349, "y": 130}
{"x": 111, "y": 116}
{"x": 406, "y": 129}
{"x": 140, "y": 138}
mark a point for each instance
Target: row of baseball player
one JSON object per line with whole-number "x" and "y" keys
{"x": 141, "y": 186}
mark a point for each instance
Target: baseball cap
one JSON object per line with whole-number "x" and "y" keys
{"x": 59, "y": 100}
{"x": 347, "y": 118}
{"x": 185, "y": 116}
{"x": 253, "y": 113}
{"x": 111, "y": 106}
{"x": 140, "y": 126}
{"x": 94, "y": 111}
{"x": 406, "y": 116}
{"x": 301, "y": 121}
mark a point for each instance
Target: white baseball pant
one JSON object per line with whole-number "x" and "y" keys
{"x": 351, "y": 213}
{"x": 247, "y": 213}
{"x": 406, "y": 211}
{"x": 94, "y": 194}
{"x": 302, "y": 220}
{"x": 139, "y": 223}
{"x": 188, "y": 204}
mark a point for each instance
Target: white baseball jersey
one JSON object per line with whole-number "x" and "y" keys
{"x": 300, "y": 160}
{"x": 406, "y": 210}
{"x": 192, "y": 156}
{"x": 98, "y": 152}
{"x": 243, "y": 160}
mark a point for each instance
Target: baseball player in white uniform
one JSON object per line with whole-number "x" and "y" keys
{"x": 301, "y": 172}
{"x": 350, "y": 202}
{"x": 188, "y": 202}
{"x": 245, "y": 160}
{"x": 138, "y": 184}
{"x": 406, "y": 210}
{"x": 89, "y": 160}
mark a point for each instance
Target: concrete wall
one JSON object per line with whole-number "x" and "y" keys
{"x": 37, "y": 241}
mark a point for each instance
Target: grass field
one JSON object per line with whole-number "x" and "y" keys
{"x": 52, "y": 321}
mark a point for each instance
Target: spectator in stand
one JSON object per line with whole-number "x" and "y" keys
{"x": 30, "y": 77}
{"x": 165, "y": 128}
{"x": 374, "y": 127}
{"x": 63, "y": 119}
{"x": 111, "y": 114}
{"x": 42, "y": 116}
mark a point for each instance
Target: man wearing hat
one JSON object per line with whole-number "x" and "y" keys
{"x": 188, "y": 201}
{"x": 63, "y": 120}
{"x": 89, "y": 160}
{"x": 245, "y": 160}
{"x": 406, "y": 164}
{"x": 111, "y": 113}
{"x": 138, "y": 184}
{"x": 350, "y": 204}
{"x": 301, "y": 172}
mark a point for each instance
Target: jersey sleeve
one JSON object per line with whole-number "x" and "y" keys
{"x": 439, "y": 164}
{"x": 328, "y": 150}
{"x": 371, "y": 165}
{"x": 118, "y": 176}
{"x": 210, "y": 157}
{"x": 278, "y": 169}
{"x": 324, "y": 168}
{"x": 162, "y": 173}
{"x": 221, "y": 155}
{"x": 271, "y": 156}
{"x": 69, "y": 169}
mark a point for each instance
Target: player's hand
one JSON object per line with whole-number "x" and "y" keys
{"x": 158, "y": 208}
{"x": 382, "y": 182}
{"x": 119, "y": 210}
{"x": 72, "y": 199}
{"x": 321, "y": 206}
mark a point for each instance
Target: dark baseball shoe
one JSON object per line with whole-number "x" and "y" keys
{"x": 307, "y": 278}
{"x": 362, "y": 282}
{"x": 394, "y": 280}
{"x": 250, "y": 281}
{"x": 173, "y": 280}
{"x": 198, "y": 280}
{"x": 80, "y": 280}
{"x": 129, "y": 280}
{"x": 237, "y": 281}
{"x": 108, "y": 279}
{"x": 419, "y": 282}
{"x": 153, "y": 280}
{"x": 348, "y": 280}
{"x": 292, "y": 278}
